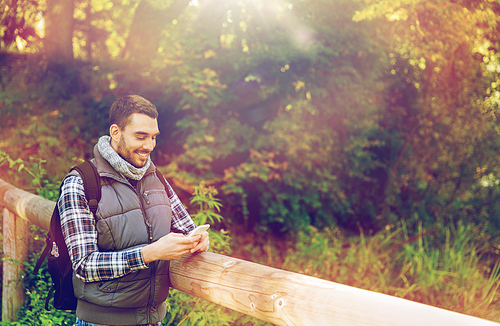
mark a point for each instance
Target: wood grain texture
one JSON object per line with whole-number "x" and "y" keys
{"x": 15, "y": 251}
{"x": 286, "y": 298}
{"x": 30, "y": 207}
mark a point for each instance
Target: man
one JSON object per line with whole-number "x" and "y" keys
{"x": 121, "y": 258}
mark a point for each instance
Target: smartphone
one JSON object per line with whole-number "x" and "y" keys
{"x": 199, "y": 230}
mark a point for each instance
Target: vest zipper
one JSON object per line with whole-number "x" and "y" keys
{"x": 152, "y": 292}
{"x": 150, "y": 240}
{"x": 145, "y": 195}
{"x": 149, "y": 226}
{"x": 153, "y": 264}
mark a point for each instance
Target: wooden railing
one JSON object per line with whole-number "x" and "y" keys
{"x": 273, "y": 295}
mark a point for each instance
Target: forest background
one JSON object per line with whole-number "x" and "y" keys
{"x": 353, "y": 140}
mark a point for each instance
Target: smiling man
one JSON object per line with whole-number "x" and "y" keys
{"x": 121, "y": 257}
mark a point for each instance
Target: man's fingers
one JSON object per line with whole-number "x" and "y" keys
{"x": 182, "y": 239}
{"x": 203, "y": 244}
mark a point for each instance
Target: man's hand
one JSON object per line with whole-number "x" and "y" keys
{"x": 173, "y": 246}
{"x": 203, "y": 244}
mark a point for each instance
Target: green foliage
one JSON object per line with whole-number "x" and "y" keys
{"x": 448, "y": 136}
{"x": 33, "y": 310}
{"x": 208, "y": 206}
{"x": 324, "y": 113}
{"x": 454, "y": 269}
{"x": 284, "y": 106}
{"x": 38, "y": 120}
{"x": 19, "y": 25}
{"x": 204, "y": 197}
{"x": 35, "y": 170}
{"x": 364, "y": 126}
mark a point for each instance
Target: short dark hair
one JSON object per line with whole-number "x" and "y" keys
{"x": 122, "y": 109}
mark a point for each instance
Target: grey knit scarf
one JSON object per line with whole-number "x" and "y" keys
{"x": 117, "y": 162}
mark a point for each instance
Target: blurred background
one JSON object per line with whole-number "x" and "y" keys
{"x": 353, "y": 140}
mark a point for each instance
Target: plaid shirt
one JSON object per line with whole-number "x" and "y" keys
{"x": 80, "y": 234}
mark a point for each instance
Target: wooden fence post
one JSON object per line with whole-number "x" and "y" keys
{"x": 15, "y": 250}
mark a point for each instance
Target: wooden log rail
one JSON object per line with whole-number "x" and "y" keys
{"x": 273, "y": 295}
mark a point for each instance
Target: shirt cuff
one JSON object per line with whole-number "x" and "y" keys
{"x": 135, "y": 259}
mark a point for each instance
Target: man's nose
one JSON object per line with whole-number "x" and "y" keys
{"x": 150, "y": 144}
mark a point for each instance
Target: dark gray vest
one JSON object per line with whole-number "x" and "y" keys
{"x": 128, "y": 217}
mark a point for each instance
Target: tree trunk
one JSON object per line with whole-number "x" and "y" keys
{"x": 59, "y": 25}
{"x": 145, "y": 31}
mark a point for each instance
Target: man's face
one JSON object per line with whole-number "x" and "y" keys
{"x": 137, "y": 140}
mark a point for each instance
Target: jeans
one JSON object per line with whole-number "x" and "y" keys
{"x": 80, "y": 322}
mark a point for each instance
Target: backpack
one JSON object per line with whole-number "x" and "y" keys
{"x": 59, "y": 263}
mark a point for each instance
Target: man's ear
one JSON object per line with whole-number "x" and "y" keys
{"x": 114, "y": 132}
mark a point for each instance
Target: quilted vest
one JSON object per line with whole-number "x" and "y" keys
{"x": 128, "y": 217}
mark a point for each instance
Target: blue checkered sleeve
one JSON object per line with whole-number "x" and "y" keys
{"x": 181, "y": 220}
{"x": 80, "y": 235}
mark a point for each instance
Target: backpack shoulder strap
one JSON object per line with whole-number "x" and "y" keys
{"x": 91, "y": 183}
{"x": 55, "y": 218}
{"x": 92, "y": 186}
